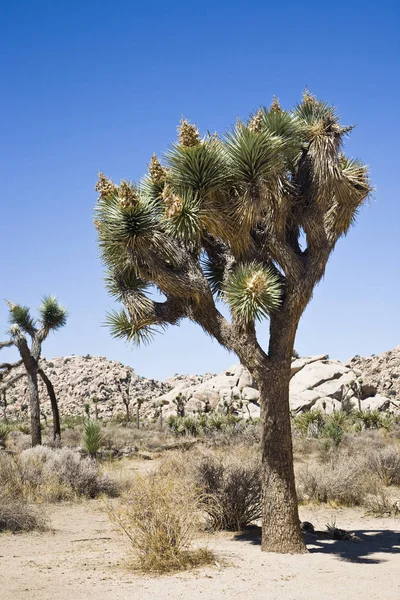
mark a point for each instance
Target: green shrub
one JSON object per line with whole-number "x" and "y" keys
{"x": 92, "y": 437}
{"x": 369, "y": 419}
{"x": 310, "y": 423}
{"x": 5, "y": 431}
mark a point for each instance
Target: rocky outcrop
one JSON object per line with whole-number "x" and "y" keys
{"x": 105, "y": 387}
{"x": 380, "y": 374}
{"x": 91, "y": 383}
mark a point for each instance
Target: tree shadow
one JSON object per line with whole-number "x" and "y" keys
{"x": 367, "y": 542}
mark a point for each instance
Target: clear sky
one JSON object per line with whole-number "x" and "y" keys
{"x": 95, "y": 85}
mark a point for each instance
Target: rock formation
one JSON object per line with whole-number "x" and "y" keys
{"x": 105, "y": 387}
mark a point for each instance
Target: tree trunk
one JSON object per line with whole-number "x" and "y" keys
{"x": 4, "y": 405}
{"x": 54, "y": 406}
{"x": 127, "y": 411}
{"x": 34, "y": 406}
{"x": 280, "y": 518}
{"x": 281, "y": 524}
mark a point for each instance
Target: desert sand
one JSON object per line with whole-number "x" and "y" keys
{"x": 83, "y": 557}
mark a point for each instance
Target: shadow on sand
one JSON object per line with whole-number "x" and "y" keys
{"x": 369, "y": 542}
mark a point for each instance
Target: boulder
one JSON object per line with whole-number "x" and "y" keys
{"x": 253, "y": 410}
{"x": 250, "y": 394}
{"x": 334, "y": 387}
{"x": 376, "y": 402}
{"x": 299, "y": 363}
{"x": 316, "y": 373}
{"x": 303, "y": 400}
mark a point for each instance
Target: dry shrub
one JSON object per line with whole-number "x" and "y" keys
{"x": 15, "y": 514}
{"x": 385, "y": 462}
{"x": 72, "y": 437}
{"x": 160, "y": 515}
{"x": 43, "y": 474}
{"x": 382, "y": 505}
{"x": 18, "y": 516}
{"x": 231, "y": 486}
{"x": 343, "y": 481}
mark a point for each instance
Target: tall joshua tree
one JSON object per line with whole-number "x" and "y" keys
{"x": 52, "y": 316}
{"x": 249, "y": 219}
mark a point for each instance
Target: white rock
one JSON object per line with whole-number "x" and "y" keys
{"x": 333, "y": 388}
{"x": 299, "y": 363}
{"x": 376, "y": 402}
{"x": 253, "y": 410}
{"x": 316, "y": 373}
{"x": 250, "y": 394}
{"x": 303, "y": 400}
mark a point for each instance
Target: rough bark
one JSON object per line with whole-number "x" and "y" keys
{"x": 34, "y": 406}
{"x": 4, "y": 405}
{"x": 54, "y": 406}
{"x": 280, "y": 518}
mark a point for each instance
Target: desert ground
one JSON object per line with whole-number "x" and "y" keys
{"x": 83, "y": 555}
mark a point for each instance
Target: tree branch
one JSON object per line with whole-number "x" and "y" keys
{"x": 10, "y": 366}
{"x": 6, "y": 344}
{"x": 11, "y": 382}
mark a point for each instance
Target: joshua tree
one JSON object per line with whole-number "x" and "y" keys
{"x": 180, "y": 403}
{"x": 138, "y": 403}
{"x": 52, "y": 316}
{"x": 250, "y": 219}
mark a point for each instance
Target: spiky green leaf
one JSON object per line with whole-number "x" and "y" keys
{"x": 53, "y": 316}
{"x": 21, "y": 316}
{"x": 123, "y": 328}
{"x": 252, "y": 292}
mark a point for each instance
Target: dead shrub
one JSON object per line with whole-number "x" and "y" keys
{"x": 231, "y": 487}
{"x": 382, "y": 505}
{"x": 61, "y": 474}
{"x": 18, "y": 516}
{"x": 343, "y": 481}
{"x": 160, "y": 515}
{"x": 15, "y": 514}
{"x": 385, "y": 462}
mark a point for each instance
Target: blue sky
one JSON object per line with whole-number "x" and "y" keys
{"x": 98, "y": 85}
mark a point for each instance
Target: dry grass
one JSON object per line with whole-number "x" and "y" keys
{"x": 382, "y": 504}
{"x": 160, "y": 516}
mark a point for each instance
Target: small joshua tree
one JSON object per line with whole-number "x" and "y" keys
{"x": 52, "y": 316}
{"x": 180, "y": 403}
{"x": 250, "y": 219}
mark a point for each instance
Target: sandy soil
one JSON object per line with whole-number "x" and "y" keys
{"x": 85, "y": 557}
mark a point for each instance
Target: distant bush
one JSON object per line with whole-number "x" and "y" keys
{"x": 41, "y": 473}
{"x": 343, "y": 481}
